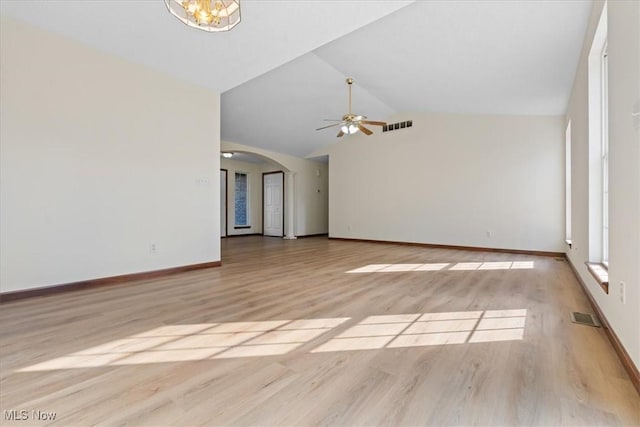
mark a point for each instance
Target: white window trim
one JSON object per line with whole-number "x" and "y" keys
{"x": 597, "y": 238}
{"x": 567, "y": 182}
{"x": 604, "y": 77}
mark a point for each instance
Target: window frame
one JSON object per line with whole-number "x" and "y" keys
{"x": 604, "y": 153}
{"x": 567, "y": 177}
{"x": 247, "y": 192}
{"x": 598, "y": 148}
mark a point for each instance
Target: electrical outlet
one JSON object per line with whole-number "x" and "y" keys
{"x": 153, "y": 248}
{"x": 623, "y": 294}
{"x": 489, "y": 233}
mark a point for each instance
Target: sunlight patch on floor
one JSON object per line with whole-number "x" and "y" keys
{"x": 179, "y": 343}
{"x": 427, "y": 329}
{"x": 460, "y": 266}
{"x": 208, "y": 341}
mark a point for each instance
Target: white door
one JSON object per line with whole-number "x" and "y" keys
{"x": 223, "y": 202}
{"x": 273, "y": 204}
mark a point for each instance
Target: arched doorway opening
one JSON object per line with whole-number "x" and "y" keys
{"x": 257, "y": 194}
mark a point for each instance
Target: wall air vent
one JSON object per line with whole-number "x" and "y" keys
{"x": 395, "y": 126}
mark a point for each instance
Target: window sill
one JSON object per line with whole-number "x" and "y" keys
{"x": 568, "y": 242}
{"x": 241, "y": 227}
{"x": 600, "y": 273}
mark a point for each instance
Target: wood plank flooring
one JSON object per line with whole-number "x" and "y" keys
{"x": 318, "y": 332}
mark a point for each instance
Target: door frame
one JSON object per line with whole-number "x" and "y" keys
{"x": 226, "y": 202}
{"x": 283, "y": 202}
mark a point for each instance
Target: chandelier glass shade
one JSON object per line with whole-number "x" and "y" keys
{"x": 207, "y": 15}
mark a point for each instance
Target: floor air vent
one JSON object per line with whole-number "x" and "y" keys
{"x": 585, "y": 319}
{"x": 559, "y": 259}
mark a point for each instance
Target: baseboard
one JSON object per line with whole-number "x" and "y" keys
{"x": 104, "y": 281}
{"x": 260, "y": 234}
{"x": 242, "y": 235}
{"x": 629, "y": 366}
{"x": 463, "y": 248}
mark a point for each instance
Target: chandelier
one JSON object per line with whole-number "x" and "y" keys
{"x": 207, "y": 15}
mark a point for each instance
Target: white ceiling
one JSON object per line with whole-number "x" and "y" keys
{"x": 282, "y": 70}
{"x": 271, "y": 33}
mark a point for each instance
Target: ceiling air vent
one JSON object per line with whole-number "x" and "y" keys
{"x": 395, "y": 126}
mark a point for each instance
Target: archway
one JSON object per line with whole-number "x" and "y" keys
{"x": 260, "y": 163}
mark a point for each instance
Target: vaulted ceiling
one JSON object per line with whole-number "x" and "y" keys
{"x": 282, "y": 70}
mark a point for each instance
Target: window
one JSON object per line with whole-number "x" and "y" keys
{"x": 241, "y": 201}
{"x": 604, "y": 114}
{"x": 567, "y": 183}
{"x": 599, "y": 155}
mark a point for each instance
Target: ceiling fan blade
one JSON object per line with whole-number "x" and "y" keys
{"x": 340, "y": 134}
{"x": 369, "y": 122}
{"x": 364, "y": 129}
{"x": 330, "y": 126}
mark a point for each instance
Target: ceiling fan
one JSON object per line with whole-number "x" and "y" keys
{"x": 351, "y": 123}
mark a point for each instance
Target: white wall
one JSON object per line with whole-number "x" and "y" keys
{"x": 624, "y": 177}
{"x": 451, "y": 179}
{"x": 311, "y": 205}
{"x": 100, "y": 158}
{"x": 312, "y": 200}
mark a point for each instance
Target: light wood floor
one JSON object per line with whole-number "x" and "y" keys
{"x": 283, "y": 335}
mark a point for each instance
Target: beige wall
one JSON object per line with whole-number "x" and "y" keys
{"x": 100, "y": 159}
{"x": 484, "y": 181}
{"x": 624, "y": 177}
{"x": 312, "y": 203}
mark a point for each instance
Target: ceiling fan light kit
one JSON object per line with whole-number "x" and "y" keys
{"x": 349, "y": 129}
{"x": 206, "y": 15}
{"x": 352, "y": 123}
